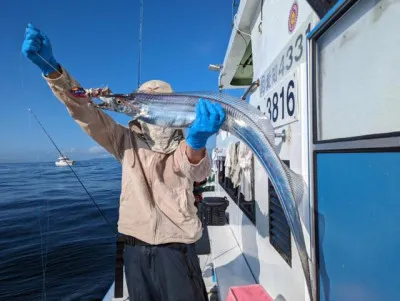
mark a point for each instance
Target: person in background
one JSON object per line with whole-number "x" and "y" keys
{"x": 157, "y": 214}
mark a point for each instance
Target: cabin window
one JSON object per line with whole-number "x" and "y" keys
{"x": 356, "y": 71}
{"x": 357, "y": 224}
{"x": 279, "y": 231}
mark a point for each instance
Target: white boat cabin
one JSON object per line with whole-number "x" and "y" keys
{"x": 325, "y": 73}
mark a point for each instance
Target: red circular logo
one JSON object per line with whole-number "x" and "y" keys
{"x": 294, "y": 12}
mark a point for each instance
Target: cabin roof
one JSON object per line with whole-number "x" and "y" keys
{"x": 237, "y": 70}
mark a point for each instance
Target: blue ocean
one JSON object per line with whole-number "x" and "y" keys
{"x": 54, "y": 245}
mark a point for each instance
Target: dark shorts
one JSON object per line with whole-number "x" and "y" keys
{"x": 164, "y": 273}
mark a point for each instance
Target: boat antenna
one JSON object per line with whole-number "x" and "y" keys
{"x": 77, "y": 177}
{"x": 140, "y": 43}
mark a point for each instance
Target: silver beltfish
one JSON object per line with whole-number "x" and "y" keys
{"x": 242, "y": 120}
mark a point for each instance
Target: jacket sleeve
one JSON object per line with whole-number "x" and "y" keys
{"x": 195, "y": 172}
{"x": 97, "y": 124}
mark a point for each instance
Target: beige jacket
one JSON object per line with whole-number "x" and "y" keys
{"x": 156, "y": 202}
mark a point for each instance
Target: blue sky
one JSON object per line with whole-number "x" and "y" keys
{"x": 97, "y": 42}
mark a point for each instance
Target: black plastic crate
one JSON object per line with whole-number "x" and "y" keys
{"x": 213, "y": 211}
{"x": 201, "y": 189}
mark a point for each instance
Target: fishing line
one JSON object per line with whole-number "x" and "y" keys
{"x": 43, "y": 255}
{"x": 21, "y": 71}
{"x": 44, "y": 244}
{"x": 73, "y": 171}
{"x": 44, "y": 60}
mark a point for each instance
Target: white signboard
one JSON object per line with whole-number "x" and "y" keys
{"x": 282, "y": 101}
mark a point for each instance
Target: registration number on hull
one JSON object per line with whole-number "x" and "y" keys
{"x": 280, "y": 105}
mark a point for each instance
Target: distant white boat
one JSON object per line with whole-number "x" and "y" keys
{"x": 64, "y": 161}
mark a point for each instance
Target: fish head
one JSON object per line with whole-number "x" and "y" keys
{"x": 120, "y": 104}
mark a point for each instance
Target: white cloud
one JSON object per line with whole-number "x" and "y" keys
{"x": 96, "y": 150}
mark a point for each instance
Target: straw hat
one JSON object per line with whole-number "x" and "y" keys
{"x": 155, "y": 86}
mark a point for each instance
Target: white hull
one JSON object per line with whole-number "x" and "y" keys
{"x": 65, "y": 163}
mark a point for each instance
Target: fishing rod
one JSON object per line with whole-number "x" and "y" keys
{"x": 73, "y": 171}
{"x": 140, "y": 43}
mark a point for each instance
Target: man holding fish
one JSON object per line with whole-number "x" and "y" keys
{"x": 157, "y": 215}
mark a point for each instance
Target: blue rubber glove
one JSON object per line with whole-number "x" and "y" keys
{"x": 209, "y": 119}
{"x": 36, "y": 42}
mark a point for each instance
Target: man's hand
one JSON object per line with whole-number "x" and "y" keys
{"x": 209, "y": 119}
{"x": 37, "y": 48}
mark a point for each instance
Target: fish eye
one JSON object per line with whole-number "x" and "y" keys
{"x": 118, "y": 101}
